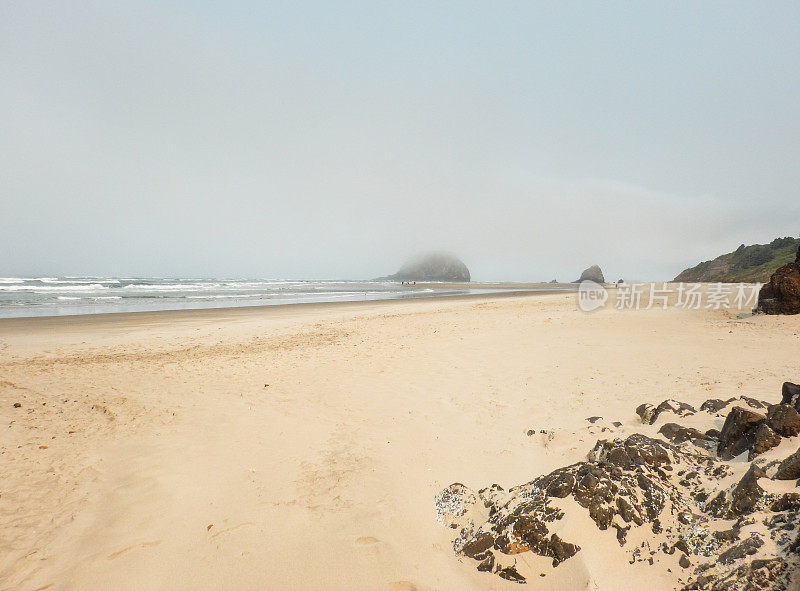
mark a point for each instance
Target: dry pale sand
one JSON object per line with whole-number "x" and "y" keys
{"x": 302, "y": 447}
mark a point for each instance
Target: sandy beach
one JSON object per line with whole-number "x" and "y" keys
{"x": 301, "y": 447}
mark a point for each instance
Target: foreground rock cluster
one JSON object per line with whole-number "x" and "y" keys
{"x": 733, "y": 524}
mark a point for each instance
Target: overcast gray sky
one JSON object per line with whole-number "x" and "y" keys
{"x": 334, "y": 139}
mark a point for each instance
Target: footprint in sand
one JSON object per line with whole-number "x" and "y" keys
{"x": 369, "y": 545}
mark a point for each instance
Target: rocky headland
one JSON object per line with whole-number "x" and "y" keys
{"x": 747, "y": 264}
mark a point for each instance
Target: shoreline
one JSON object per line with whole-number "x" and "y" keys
{"x": 230, "y": 312}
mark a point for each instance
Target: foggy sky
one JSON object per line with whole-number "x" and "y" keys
{"x": 333, "y": 140}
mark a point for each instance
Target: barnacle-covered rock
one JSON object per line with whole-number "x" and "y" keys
{"x": 686, "y": 496}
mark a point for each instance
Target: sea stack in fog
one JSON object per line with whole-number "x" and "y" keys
{"x": 433, "y": 266}
{"x": 593, "y": 273}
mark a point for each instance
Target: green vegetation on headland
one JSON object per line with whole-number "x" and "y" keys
{"x": 747, "y": 264}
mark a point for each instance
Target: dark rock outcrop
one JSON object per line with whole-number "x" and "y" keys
{"x": 649, "y": 413}
{"x": 747, "y": 492}
{"x": 790, "y": 394}
{"x": 623, "y": 484}
{"x": 764, "y": 439}
{"x": 677, "y": 434}
{"x": 684, "y": 496}
{"x": 784, "y": 420}
{"x": 593, "y": 273}
{"x": 715, "y": 405}
{"x": 745, "y": 548}
{"x": 782, "y": 294}
{"x": 785, "y": 502}
{"x": 789, "y": 469}
{"x": 738, "y": 432}
{"x": 433, "y": 266}
{"x": 761, "y": 574}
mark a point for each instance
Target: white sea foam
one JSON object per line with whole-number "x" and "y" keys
{"x": 53, "y": 288}
{"x": 90, "y": 298}
{"x": 84, "y": 281}
{"x": 233, "y": 296}
{"x": 79, "y": 295}
{"x": 171, "y": 286}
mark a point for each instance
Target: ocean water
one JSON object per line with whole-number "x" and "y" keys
{"x": 57, "y": 296}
